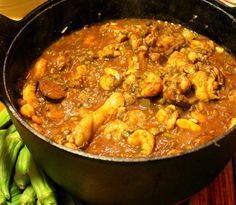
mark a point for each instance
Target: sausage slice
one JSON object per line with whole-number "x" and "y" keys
{"x": 52, "y": 90}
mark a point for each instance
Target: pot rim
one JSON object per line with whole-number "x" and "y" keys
{"x": 28, "y": 20}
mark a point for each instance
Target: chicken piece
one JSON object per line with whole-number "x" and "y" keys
{"x": 82, "y": 132}
{"x": 103, "y": 113}
{"x": 142, "y": 139}
{"x": 90, "y": 123}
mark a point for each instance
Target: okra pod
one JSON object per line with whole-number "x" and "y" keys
{"x": 14, "y": 190}
{"x": 21, "y": 177}
{"x": 3, "y": 133}
{"x": 4, "y": 118}
{"x": 28, "y": 197}
{"x": 11, "y": 129}
{"x": 2, "y": 138}
{"x": 38, "y": 203}
{"x": 15, "y": 195}
{"x": 2, "y": 199}
{"x": 11, "y": 146}
{"x": 41, "y": 186}
{"x": 14, "y": 201}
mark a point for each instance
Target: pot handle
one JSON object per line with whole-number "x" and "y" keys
{"x": 8, "y": 29}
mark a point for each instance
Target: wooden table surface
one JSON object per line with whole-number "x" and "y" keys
{"x": 220, "y": 192}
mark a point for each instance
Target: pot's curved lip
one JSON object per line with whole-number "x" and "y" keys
{"x": 32, "y": 16}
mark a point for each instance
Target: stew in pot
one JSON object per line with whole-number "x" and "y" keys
{"x": 131, "y": 88}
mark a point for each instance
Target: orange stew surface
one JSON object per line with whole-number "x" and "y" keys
{"x": 131, "y": 88}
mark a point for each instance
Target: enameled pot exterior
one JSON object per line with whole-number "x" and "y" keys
{"x": 101, "y": 180}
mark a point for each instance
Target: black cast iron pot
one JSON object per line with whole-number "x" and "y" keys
{"x": 106, "y": 180}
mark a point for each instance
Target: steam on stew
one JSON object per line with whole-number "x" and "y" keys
{"x": 131, "y": 88}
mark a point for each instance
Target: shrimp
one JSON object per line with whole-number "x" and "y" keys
{"x": 115, "y": 130}
{"x": 143, "y": 139}
{"x": 135, "y": 119}
{"x": 27, "y": 110}
{"x": 206, "y": 83}
{"x": 40, "y": 68}
{"x": 111, "y": 79}
{"x": 168, "y": 116}
{"x": 29, "y": 94}
{"x": 151, "y": 85}
{"x": 175, "y": 88}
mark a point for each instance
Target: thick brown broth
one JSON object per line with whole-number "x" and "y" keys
{"x": 131, "y": 88}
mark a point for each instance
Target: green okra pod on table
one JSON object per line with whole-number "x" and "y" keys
{"x": 10, "y": 148}
{"x": 41, "y": 186}
{"x": 28, "y": 197}
{"x": 21, "y": 177}
{"x": 2, "y": 199}
{"x": 2, "y": 138}
{"x": 4, "y": 118}
{"x": 11, "y": 129}
{"x": 3, "y": 133}
{"x": 15, "y": 195}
